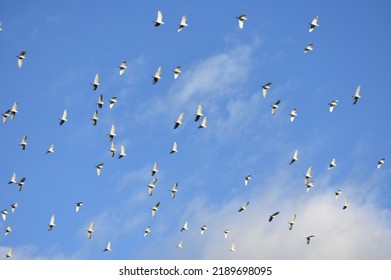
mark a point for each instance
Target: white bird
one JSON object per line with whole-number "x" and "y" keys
{"x": 113, "y": 101}
{"x": 51, "y": 224}
{"x": 95, "y": 83}
{"x": 232, "y": 249}
{"x": 177, "y": 71}
{"x": 63, "y": 118}
{"x": 357, "y": 95}
{"x": 147, "y": 230}
{"x": 112, "y": 132}
{"x": 203, "y": 123}
{"x": 293, "y": 114}
{"x": 23, "y": 143}
{"x": 154, "y": 209}
{"x": 308, "y": 175}
{"x": 151, "y": 186}
{"x": 226, "y": 232}
{"x": 203, "y": 229}
{"x": 308, "y": 48}
{"x": 332, "y": 104}
{"x": 8, "y": 230}
{"x": 159, "y": 19}
{"x": 5, "y": 115}
{"x": 50, "y": 150}
{"x": 154, "y": 169}
{"x": 21, "y": 57}
{"x": 90, "y": 230}
{"x": 292, "y": 222}
{"x": 112, "y": 149}
{"x": 295, "y": 157}
{"x": 13, "y": 179}
{"x": 21, "y": 183}
{"x": 100, "y": 101}
{"x": 180, "y": 245}
{"x": 380, "y": 162}
{"x": 244, "y": 207}
{"x": 199, "y": 112}
{"x": 275, "y": 106}
{"x": 14, "y": 109}
{"x": 9, "y": 253}
{"x": 265, "y": 87}
{"x": 308, "y": 238}
{"x": 108, "y": 247}
{"x": 95, "y": 118}
{"x": 333, "y": 163}
{"x": 122, "y": 152}
{"x": 271, "y": 217}
{"x": 14, "y": 206}
{"x": 174, "y": 148}
{"x": 174, "y": 190}
{"x": 247, "y": 180}
{"x": 157, "y": 75}
{"x": 241, "y": 20}
{"x": 178, "y": 122}
{"x": 183, "y": 23}
{"x": 99, "y": 168}
{"x": 313, "y": 24}
{"x": 337, "y": 193}
{"x": 346, "y": 204}
{"x": 185, "y": 226}
{"x": 122, "y": 67}
{"x": 4, "y": 214}
{"x": 78, "y": 205}
{"x": 310, "y": 185}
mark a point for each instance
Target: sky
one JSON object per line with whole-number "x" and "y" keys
{"x": 224, "y": 68}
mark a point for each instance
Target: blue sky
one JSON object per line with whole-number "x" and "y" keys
{"x": 224, "y": 68}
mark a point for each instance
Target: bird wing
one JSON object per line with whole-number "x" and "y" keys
{"x": 159, "y": 16}
{"x": 158, "y": 72}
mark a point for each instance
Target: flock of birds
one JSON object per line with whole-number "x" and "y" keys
{"x": 11, "y": 113}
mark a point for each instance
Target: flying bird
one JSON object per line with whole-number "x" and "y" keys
{"x": 203, "y": 123}
{"x": 308, "y": 238}
{"x": 9, "y": 253}
{"x": 90, "y": 230}
{"x": 241, "y": 20}
{"x": 159, "y": 19}
{"x": 247, "y": 180}
{"x": 310, "y": 185}
{"x": 232, "y": 249}
{"x": 226, "y": 232}
{"x": 185, "y": 227}
{"x": 154, "y": 169}
{"x": 293, "y": 114}
{"x": 203, "y": 229}
{"x": 332, "y": 104}
{"x": 177, "y": 71}
{"x": 112, "y": 149}
{"x": 95, "y": 118}
{"x": 380, "y": 162}
{"x": 21, "y": 183}
{"x": 244, "y": 207}
{"x": 147, "y": 230}
{"x": 13, "y": 179}
{"x": 357, "y": 95}
{"x": 122, "y": 67}
{"x": 275, "y": 106}
{"x": 50, "y": 150}
{"x": 95, "y": 83}
{"x": 112, "y": 132}
{"x": 174, "y": 190}
{"x": 13, "y": 207}
{"x": 14, "y": 109}
{"x": 180, "y": 245}
{"x": 313, "y": 24}
{"x": 292, "y": 222}
{"x": 108, "y": 247}
{"x": 154, "y": 209}
{"x": 308, "y": 175}
{"x": 63, "y": 118}
{"x": 51, "y": 224}
{"x": 178, "y": 122}
{"x": 151, "y": 186}
{"x": 5, "y": 115}
{"x": 199, "y": 112}
{"x": 295, "y": 157}
{"x": 337, "y": 193}
{"x": 21, "y": 57}
{"x": 308, "y": 48}
{"x": 271, "y": 217}
{"x": 157, "y": 77}
{"x": 23, "y": 143}
{"x": 333, "y": 163}
{"x": 4, "y": 214}
{"x": 183, "y": 24}
{"x": 265, "y": 87}
{"x": 8, "y": 230}
{"x": 100, "y": 101}
{"x": 99, "y": 168}
{"x": 346, "y": 204}
{"x": 113, "y": 101}
{"x": 122, "y": 152}
{"x": 1, "y": 26}
{"x": 78, "y": 205}
{"x": 174, "y": 148}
